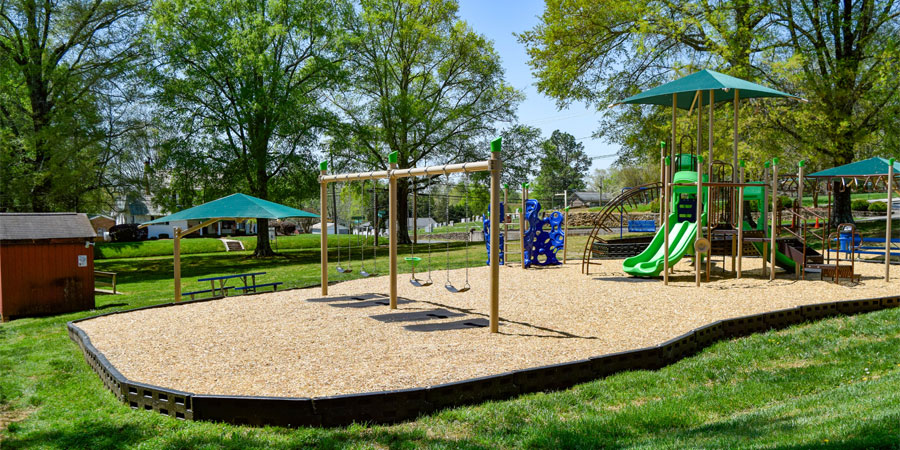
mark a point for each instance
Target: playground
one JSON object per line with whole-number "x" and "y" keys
{"x": 252, "y": 345}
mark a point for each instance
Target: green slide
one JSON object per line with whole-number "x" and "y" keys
{"x": 651, "y": 261}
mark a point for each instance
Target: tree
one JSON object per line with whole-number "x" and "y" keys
{"x": 521, "y": 154}
{"x": 244, "y": 82}
{"x": 422, "y": 83}
{"x": 563, "y": 165}
{"x": 844, "y": 56}
{"x": 836, "y": 54}
{"x": 58, "y": 61}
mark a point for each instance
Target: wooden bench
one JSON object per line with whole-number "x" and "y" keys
{"x": 207, "y": 291}
{"x": 249, "y": 289}
{"x": 111, "y": 282}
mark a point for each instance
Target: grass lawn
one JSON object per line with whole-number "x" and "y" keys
{"x": 834, "y": 383}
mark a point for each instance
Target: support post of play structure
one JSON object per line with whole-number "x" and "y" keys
{"x": 887, "y": 231}
{"x": 765, "y": 215}
{"x": 774, "y": 233}
{"x": 176, "y": 243}
{"x": 522, "y": 222}
{"x": 565, "y": 233}
{"x": 740, "y": 219}
{"x": 666, "y": 197}
{"x": 801, "y": 270}
{"x": 664, "y": 204}
{"x": 392, "y": 227}
{"x": 323, "y": 208}
{"x": 495, "y": 234}
{"x": 699, "y": 234}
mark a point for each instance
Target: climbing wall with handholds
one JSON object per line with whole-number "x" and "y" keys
{"x": 486, "y": 230}
{"x": 542, "y": 245}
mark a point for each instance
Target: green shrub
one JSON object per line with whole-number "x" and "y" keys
{"x": 859, "y": 205}
{"x": 878, "y": 207}
{"x": 654, "y": 205}
{"x": 785, "y": 201}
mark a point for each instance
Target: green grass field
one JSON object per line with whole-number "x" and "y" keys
{"x": 832, "y": 384}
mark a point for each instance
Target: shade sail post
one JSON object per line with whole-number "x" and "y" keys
{"x": 775, "y": 208}
{"x": 323, "y": 213}
{"x": 176, "y": 244}
{"x": 887, "y": 231}
{"x": 734, "y": 138}
{"x": 710, "y": 132}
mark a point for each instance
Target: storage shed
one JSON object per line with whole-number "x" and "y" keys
{"x": 46, "y": 264}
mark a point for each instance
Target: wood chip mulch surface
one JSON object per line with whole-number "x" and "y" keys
{"x": 280, "y": 344}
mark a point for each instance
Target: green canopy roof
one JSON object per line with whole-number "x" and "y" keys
{"x": 866, "y": 168}
{"x": 235, "y": 206}
{"x": 703, "y": 80}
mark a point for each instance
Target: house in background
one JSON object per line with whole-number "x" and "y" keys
{"x": 422, "y": 223}
{"x": 585, "y": 199}
{"x": 101, "y": 223}
{"x": 317, "y": 229}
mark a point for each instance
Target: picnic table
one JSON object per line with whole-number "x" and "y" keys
{"x": 221, "y": 290}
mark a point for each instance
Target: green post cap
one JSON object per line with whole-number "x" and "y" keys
{"x": 801, "y": 163}
{"x": 774, "y": 161}
{"x": 505, "y": 185}
{"x": 323, "y": 165}
{"x": 392, "y": 157}
{"x": 662, "y": 144}
{"x": 524, "y": 185}
{"x": 743, "y": 163}
{"x": 766, "y": 165}
{"x": 668, "y": 161}
{"x": 892, "y": 161}
{"x": 700, "y": 159}
{"x": 567, "y": 209}
{"x": 496, "y": 144}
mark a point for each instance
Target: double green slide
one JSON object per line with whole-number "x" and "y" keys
{"x": 651, "y": 261}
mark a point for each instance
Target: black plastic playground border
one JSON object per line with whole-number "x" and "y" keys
{"x": 387, "y": 407}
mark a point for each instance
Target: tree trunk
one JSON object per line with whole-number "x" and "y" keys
{"x": 263, "y": 247}
{"x": 840, "y": 209}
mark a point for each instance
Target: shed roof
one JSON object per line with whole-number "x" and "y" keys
{"x": 587, "y": 196}
{"x": 25, "y": 226}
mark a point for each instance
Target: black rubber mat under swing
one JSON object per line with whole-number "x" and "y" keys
{"x": 446, "y": 326}
{"x": 417, "y": 316}
{"x": 346, "y": 298}
{"x": 370, "y": 303}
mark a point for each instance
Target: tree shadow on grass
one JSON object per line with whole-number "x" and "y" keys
{"x": 93, "y": 435}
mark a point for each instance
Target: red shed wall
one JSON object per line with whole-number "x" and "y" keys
{"x": 44, "y": 278}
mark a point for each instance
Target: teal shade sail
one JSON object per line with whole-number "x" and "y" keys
{"x": 235, "y": 206}
{"x": 705, "y": 80}
{"x": 866, "y": 168}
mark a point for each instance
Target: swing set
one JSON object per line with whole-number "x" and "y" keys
{"x": 393, "y": 174}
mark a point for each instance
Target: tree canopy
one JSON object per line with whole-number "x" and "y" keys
{"x": 243, "y": 83}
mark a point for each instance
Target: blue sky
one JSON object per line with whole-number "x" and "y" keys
{"x": 498, "y": 20}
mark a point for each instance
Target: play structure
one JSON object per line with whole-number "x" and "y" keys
{"x": 540, "y": 246}
{"x": 717, "y": 213}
